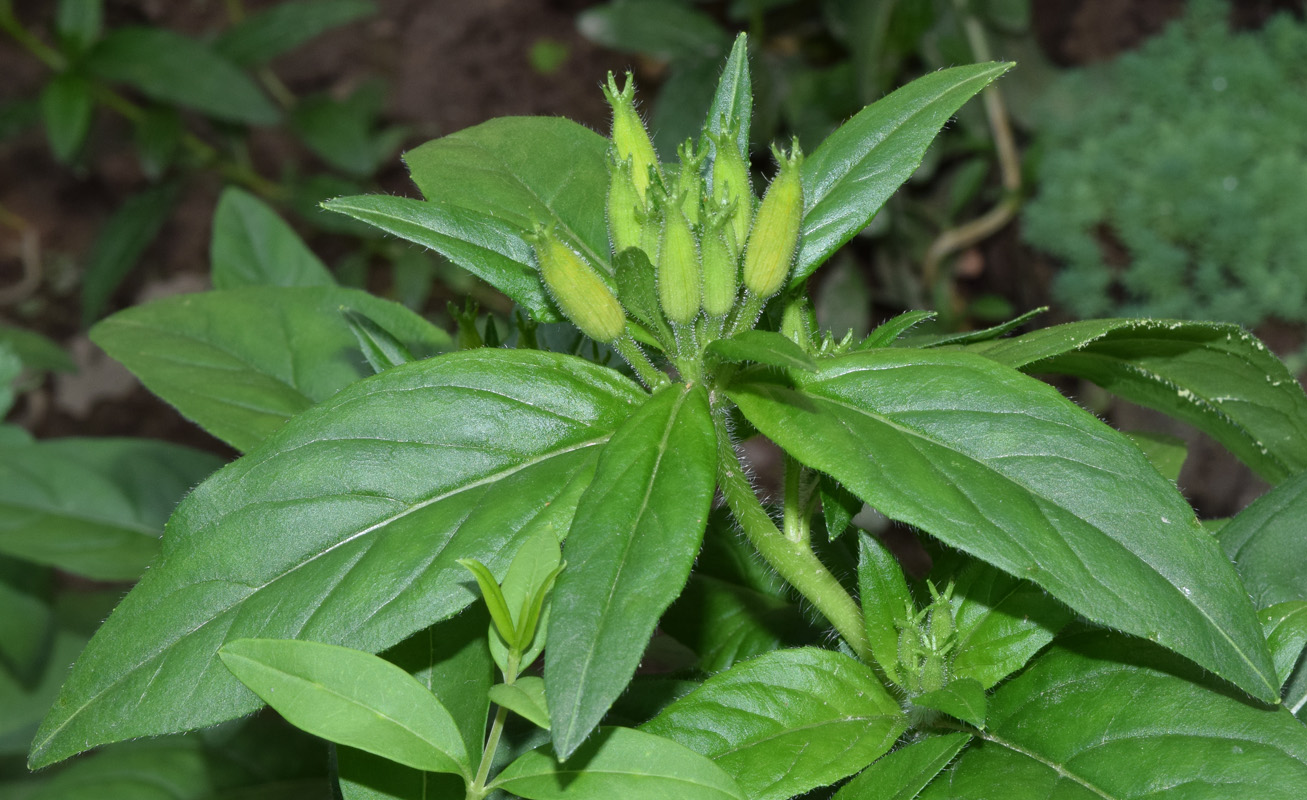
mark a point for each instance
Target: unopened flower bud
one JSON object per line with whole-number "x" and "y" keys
{"x": 721, "y": 267}
{"x": 580, "y": 293}
{"x": 629, "y": 134}
{"x": 626, "y": 210}
{"x": 689, "y": 182}
{"x": 678, "y": 265}
{"x": 730, "y": 183}
{"x": 774, "y": 238}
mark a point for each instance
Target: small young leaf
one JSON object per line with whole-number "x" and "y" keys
{"x": 619, "y": 762}
{"x": 1285, "y": 625}
{"x": 120, "y": 244}
{"x": 637, "y": 290}
{"x": 252, "y": 246}
{"x": 342, "y": 132}
{"x": 902, "y": 774}
{"x": 973, "y": 337}
{"x": 1265, "y": 543}
{"x": 36, "y": 351}
{"x": 838, "y": 506}
{"x": 732, "y": 103}
{"x": 526, "y": 698}
{"x": 531, "y": 619}
{"x": 178, "y": 70}
{"x": 66, "y": 106}
{"x": 78, "y": 24}
{"x": 885, "y": 599}
{"x": 1167, "y": 453}
{"x": 379, "y": 346}
{"x": 352, "y": 698}
{"x": 158, "y": 136}
{"x": 888, "y": 332}
{"x": 963, "y": 698}
{"x": 763, "y": 347}
{"x": 493, "y": 598}
{"x": 526, "y": 590}
{"x": 261, "y": 37}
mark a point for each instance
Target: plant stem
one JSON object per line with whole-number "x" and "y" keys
{"x": 794, "y": 561}
{"x": 9, "y": 24}
{"x": 628, "y": 349}
{"x": 795, "y": 523}
{"x": 478, "y": 788}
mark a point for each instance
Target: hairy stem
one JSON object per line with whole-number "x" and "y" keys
{"x": 794, "y": 561}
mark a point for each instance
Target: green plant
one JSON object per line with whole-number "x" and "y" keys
{"x": 1174, "y": 188}
{"x": 577, "y": 504}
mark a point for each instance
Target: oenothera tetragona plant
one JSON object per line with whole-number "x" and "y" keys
{"x": 467, "y": 512}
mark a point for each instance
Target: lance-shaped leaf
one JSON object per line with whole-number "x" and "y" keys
{"x": 525, "y": 698}
{"x": 351, "y": 697}
{"x": 787, "y": 721}
{"x": 637, "y": 530}
{"x": 95, "y": 507}
{"x": 260, "y": 37}
{"x": 963, "y": 698}
{"x": 1215, "y": 376}
{"x": 1265, "y": 541}
{"x": 763, "y": 347}
{"x": 252, "y": 246}
{"x": 850, "y": 176}
{"x": 344, "y": 527}
{"x": 732, "y": 103}
{"x": 1004, "y": 467}
{"x": 1107, "y": 717}
{"x": 241, "y": 362}
{"x": 1286, "y": 634}
{"x": 619, "y": 762}
{"x": 883, "y": 592}
{"x": 901, "y": 775}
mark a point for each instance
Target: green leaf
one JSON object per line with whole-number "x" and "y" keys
{"x": 351, "y": 698}
{"x": 629, "y": 551}
{"x": 763, "y": 347}
{"x": 363, "y": 776}
{"x": 120, "y": 244}
{"x": 838, "y": 506}
{"x": 1215, "y": 376}
{"x": 1006, "y": 468}
{"x": 162, "y": 770}
{"x": 36, "y": 351}
{"x": 1166, "y": 453}
{"x": 252, "y": 246}
{"x": 725, "y": 623}
{"x": 901, "y": 775}
{"x": 95, "y": 507}
{"x": 973, "y": 337}
{"x": 241, "y": 362}
{"x": 520, "y": 171}
{"x": 10, "y": 368}
{"x": 1108, "y": 717}
{"x": 400, "y": 478}
{"x": 732, "y": 103}
{"x": 66, "y": 107}
{"x": 885, "y": 598}
{"x": 1000, "y": 622}
{"x": 1285, "y": 625}
{"x": 786, "y": 721}
{"x": 378, "y": 345}
{"x": 25, "y": 619}
{"x": 526, "y": 590}
{"x": 638, "y": 292}
{"x": 158, "y": 136}
{"x": 493, "y": 598}
{"x": 78, "y": 23}
{"x": 672, "y": 31}
{"x": 850, "y": 176}
{"x": 526, "y": 698}
{"x": 888, "y": 332}
{"x": 261, "y": 37}
{"x": 491, "y": 249}
{"x": 343, "y": 132}
{"x": 618, "y": 762}
{"x": 963, "y": 698}
{"x": 1265, "y": 543}
{"x": 178, "y": 70}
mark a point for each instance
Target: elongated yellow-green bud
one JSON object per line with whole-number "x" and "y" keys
{"x": 678, "y": 265}
{"x": 731, "y": 185}
{"x": 721, "y": 266}
{"x": 774, "y": 237}
{"x": 689, "y": 181}
{"x": 629, "y": 134}
{"x": 626, "y": 209}
{"x": 578, "y": 290}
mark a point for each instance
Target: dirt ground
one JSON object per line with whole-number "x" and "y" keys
{"x": 449, "y": 64}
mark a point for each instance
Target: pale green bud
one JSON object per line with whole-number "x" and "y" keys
{"x": 626, "y": 209}
{"x": 678, "y": 265}
{"x": 689, "y": 182}
{"x": 730, "y": 183}
{"x": 774, "y": 238}
{"x": 629, "y": 134}
{"x": 580, "y": 293}
{"x": 721, "y": 267}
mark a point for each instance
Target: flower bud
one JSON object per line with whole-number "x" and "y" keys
{"x": 721, "y": 267}
{"x": 626, "y": 210}
{"x": 629, "y": 134}
{"x": 689, "y": 181}
{"x": 678, "y": 265}
{"x": 730, "y": 183}
{"x": 580, "y": 293}
{"x": 774, "y": 238}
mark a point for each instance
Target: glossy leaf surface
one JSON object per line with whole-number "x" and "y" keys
{"x": 1108, "y": 718}
{"x": 1004, "y": 467}
{"x": 901, "y": 775}
{"x": 1265, "y": 541}
{"x": 1286, "y": 634}
{"x": 95, "y": 507}
{"x": 253, "y": 246}
{"x": 526, "y": 698}
{"x": 1215, "y": 376}
{"x": 240, "y": 381}
{"x": 350, "y": 697}
{"x": 400, "y": 469}
{"x": 637, "y": 530}
{"x": 850, "y": 176}
{"x": 963, "y": 698}
{"x": 763, "y": 347}
{"x": 787, "y": 721}
{"x": 619, "y": 762}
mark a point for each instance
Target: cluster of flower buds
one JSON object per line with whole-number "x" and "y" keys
{"x": 717, "y": 254}
{"x": 927, "y": 639}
